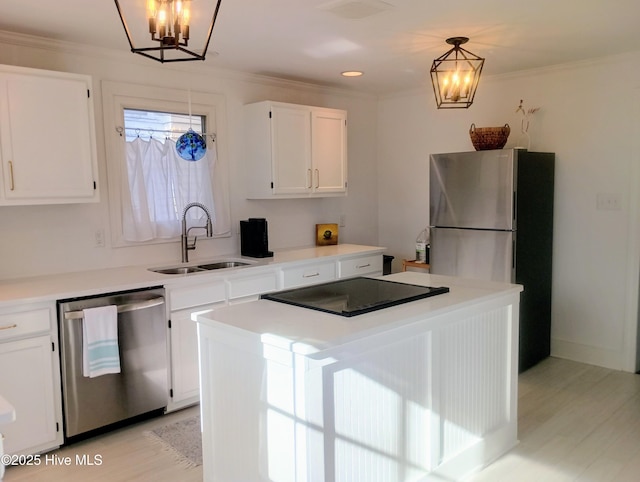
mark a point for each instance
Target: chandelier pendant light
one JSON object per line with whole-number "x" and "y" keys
{"x": 168, "y": 23}
{"x": 455, "y": 76}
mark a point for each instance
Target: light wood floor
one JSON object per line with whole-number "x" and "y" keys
{"x": 576, "y": 423}
{"x": 127, "y": 455}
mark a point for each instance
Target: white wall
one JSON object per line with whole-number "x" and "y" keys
{"x": 588, "y": 117}
{"x": 49, "y": 239}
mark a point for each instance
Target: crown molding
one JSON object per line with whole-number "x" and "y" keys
{"x": 198, "y": 68}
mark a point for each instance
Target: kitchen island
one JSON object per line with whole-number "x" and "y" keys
{"x": 419, "y": 391}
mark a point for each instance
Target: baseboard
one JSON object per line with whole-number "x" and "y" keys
{"x": 593, "y": 355}
{"x": 476, "y": 457}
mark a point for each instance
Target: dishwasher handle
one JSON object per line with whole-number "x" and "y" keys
{"x": 123, "y": 308}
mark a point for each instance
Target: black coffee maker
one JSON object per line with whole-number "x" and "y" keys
{"x": 254, "y": 239}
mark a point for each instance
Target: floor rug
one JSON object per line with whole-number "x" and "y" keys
{"x": 182, "y": 439}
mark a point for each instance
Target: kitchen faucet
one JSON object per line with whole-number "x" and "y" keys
{"x": 186, "y": 245}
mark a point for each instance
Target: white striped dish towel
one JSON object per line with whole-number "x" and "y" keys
{"x": 100, "y": 341}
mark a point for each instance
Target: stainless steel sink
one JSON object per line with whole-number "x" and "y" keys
{"x": 178, "y": 270}
{"x": 200, "y": 268}
{"x": 222, "y": 265}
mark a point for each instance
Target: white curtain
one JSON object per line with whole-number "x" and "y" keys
{"x": 158, "y": 185}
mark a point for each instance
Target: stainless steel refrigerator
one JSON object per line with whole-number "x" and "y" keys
{"x": 491, "y": 217}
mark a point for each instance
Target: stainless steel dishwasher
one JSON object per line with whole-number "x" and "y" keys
{"x": 142, "y": 384}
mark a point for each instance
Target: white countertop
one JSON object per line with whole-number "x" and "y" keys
{"x": 93, "y": 282}
{"x": 312, "y": 332}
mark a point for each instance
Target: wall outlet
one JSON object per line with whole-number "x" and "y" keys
{"x": 99, "y": 238}
{"x": 343, "y": 220}
{"x": 607, "y": 202}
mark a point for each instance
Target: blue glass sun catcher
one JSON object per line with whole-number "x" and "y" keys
{"x": 191, "y": 146}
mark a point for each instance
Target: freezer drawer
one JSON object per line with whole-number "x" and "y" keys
{"x": 470, "y": 253}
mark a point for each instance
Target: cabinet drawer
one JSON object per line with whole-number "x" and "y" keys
{"x": 188, "y": 296}
{"x": 252, "y": 285}
{"x": 368, "y": 265}
{"x": 22, "y": 323}
{"x": 309, "y": 274}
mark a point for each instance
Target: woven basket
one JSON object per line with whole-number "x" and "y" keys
{"x": 485, "y": 138}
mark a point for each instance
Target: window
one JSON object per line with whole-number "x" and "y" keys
{"x": 149, "y": 183}
{"x": 160, "y": 182}
{"x": 161, "y": 125}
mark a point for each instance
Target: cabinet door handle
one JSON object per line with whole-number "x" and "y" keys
{"x": 363, "y": 265}
{"x": 309, "y": 178}
{"x": 317, "y": 178}
{"x": 8, "y": 327}
{"x": 11, "y": 175}
{"x": 310, "y": 275}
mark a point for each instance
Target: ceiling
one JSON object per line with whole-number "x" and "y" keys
{"x": 392, "y": 41}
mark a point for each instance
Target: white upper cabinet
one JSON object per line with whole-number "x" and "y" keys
{"x": 295, "y": 151}
{"x": 290, "y": 146}
{"x": 329, "y": 150}
{"x": 47, "y": 137}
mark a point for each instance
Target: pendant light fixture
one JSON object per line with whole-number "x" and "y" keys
{"x": 170, "y": 25}
{"x": 455, "y": 76}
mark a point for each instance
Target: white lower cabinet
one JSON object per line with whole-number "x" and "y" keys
{"x": 185, "y": 379}
{"x": 360, "y": 266}
{"x": 243, "y": 288}
{"x": 308, "y": 274}
{"x": 30, "y": 379}
{"x": 322, "y": 271}
{"x": 183, "y": 338}
{"x": 183, "y": 335}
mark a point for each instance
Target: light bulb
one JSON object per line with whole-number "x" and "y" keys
{"x": 162, "y": 17}
{"x": 152, "y": 9}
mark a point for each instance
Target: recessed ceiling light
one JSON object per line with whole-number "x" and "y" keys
{"x": 352, "y": 73}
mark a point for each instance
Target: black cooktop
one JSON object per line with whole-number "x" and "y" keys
{"x": 354, "y": 296}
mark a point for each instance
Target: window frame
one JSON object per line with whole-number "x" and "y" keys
{"x": 117, "y": 96}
